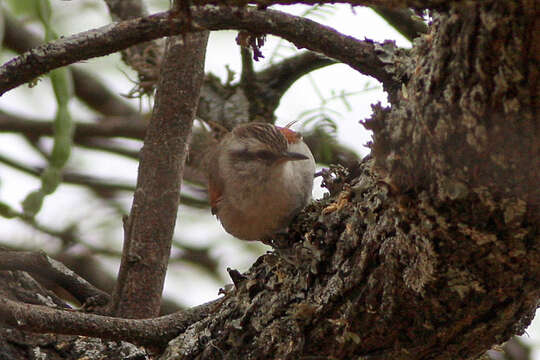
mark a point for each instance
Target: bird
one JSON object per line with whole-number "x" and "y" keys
{"x": 260, "y": 176}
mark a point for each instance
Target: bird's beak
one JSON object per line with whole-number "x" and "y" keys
{"x": 293, "y": 156}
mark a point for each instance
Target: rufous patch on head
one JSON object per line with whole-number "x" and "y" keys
{"x": 292, "y": 136}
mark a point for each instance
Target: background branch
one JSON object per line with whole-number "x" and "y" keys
{"x": 45, "y": 266}
{"x": 144, "y": 58}
{"x": 132, "y": 128}
{"x": 304, "y": 33}
{"x": 281, "y": 75}
{"x": 402, "y": 20}
{"x": 87, "y": 87}
{"x": 94, "y": 183}
{"x": 93, "y": 135}
{"x": 268, "y": 86}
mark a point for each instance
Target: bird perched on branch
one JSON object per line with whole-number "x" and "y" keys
{"x": 260, "y": 177}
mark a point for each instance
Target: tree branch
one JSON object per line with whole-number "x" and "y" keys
{"x": 108, "y": 145}
{"x": 149, "y": 228}
{"x": 87, "y": 265}
{"x": 274, "y": 81}
{"x": 304, "y": 33}
{"x": 248, "y": 71}
{"x": 402, "y": 20}
{"x": 132, "y": 128}
{"x": 432, "y": 253}
{"x": 42, "y": 265}
{"x": 280, "y": 76}
{"x": 71, "y": 178}
{"x": 153, "y": 332}
{"x": 94, "y": 183}
{"x": 327, "y": 150}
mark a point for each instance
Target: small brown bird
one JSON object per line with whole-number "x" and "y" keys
{"x": 260, "y": 177}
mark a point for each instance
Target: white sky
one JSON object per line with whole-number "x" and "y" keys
{"x": 199, "y": 228}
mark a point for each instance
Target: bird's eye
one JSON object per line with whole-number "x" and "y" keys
{"x": 242, "y": 154}
{"x": 265, "y": 155}
{"x": 261, "y": 155}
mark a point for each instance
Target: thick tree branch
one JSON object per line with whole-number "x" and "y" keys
{"x": 149, "y": 228}
{"x": 15, "y": 344}
{"x": 280, "y": 76}
{"x": 358, "y": 282}
{"x": 304, "y": 33}
{"x": 44, "y": 266}
{"x": 402, "y": 20}
{"x": 88, "y": 88}
{"x": 268, "y": 86}
{"x": 153, "y": 332}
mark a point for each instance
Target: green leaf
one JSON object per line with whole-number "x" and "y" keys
{"x": 24, "y": 8}
{"x": 33, "y": 202}
{"x": 61, "y": 151}
{"x": 6, "y": 211}
{"x": 62, "y": 85}
{"x": 44, "y": 11}
{"x": 50, "y": 179}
